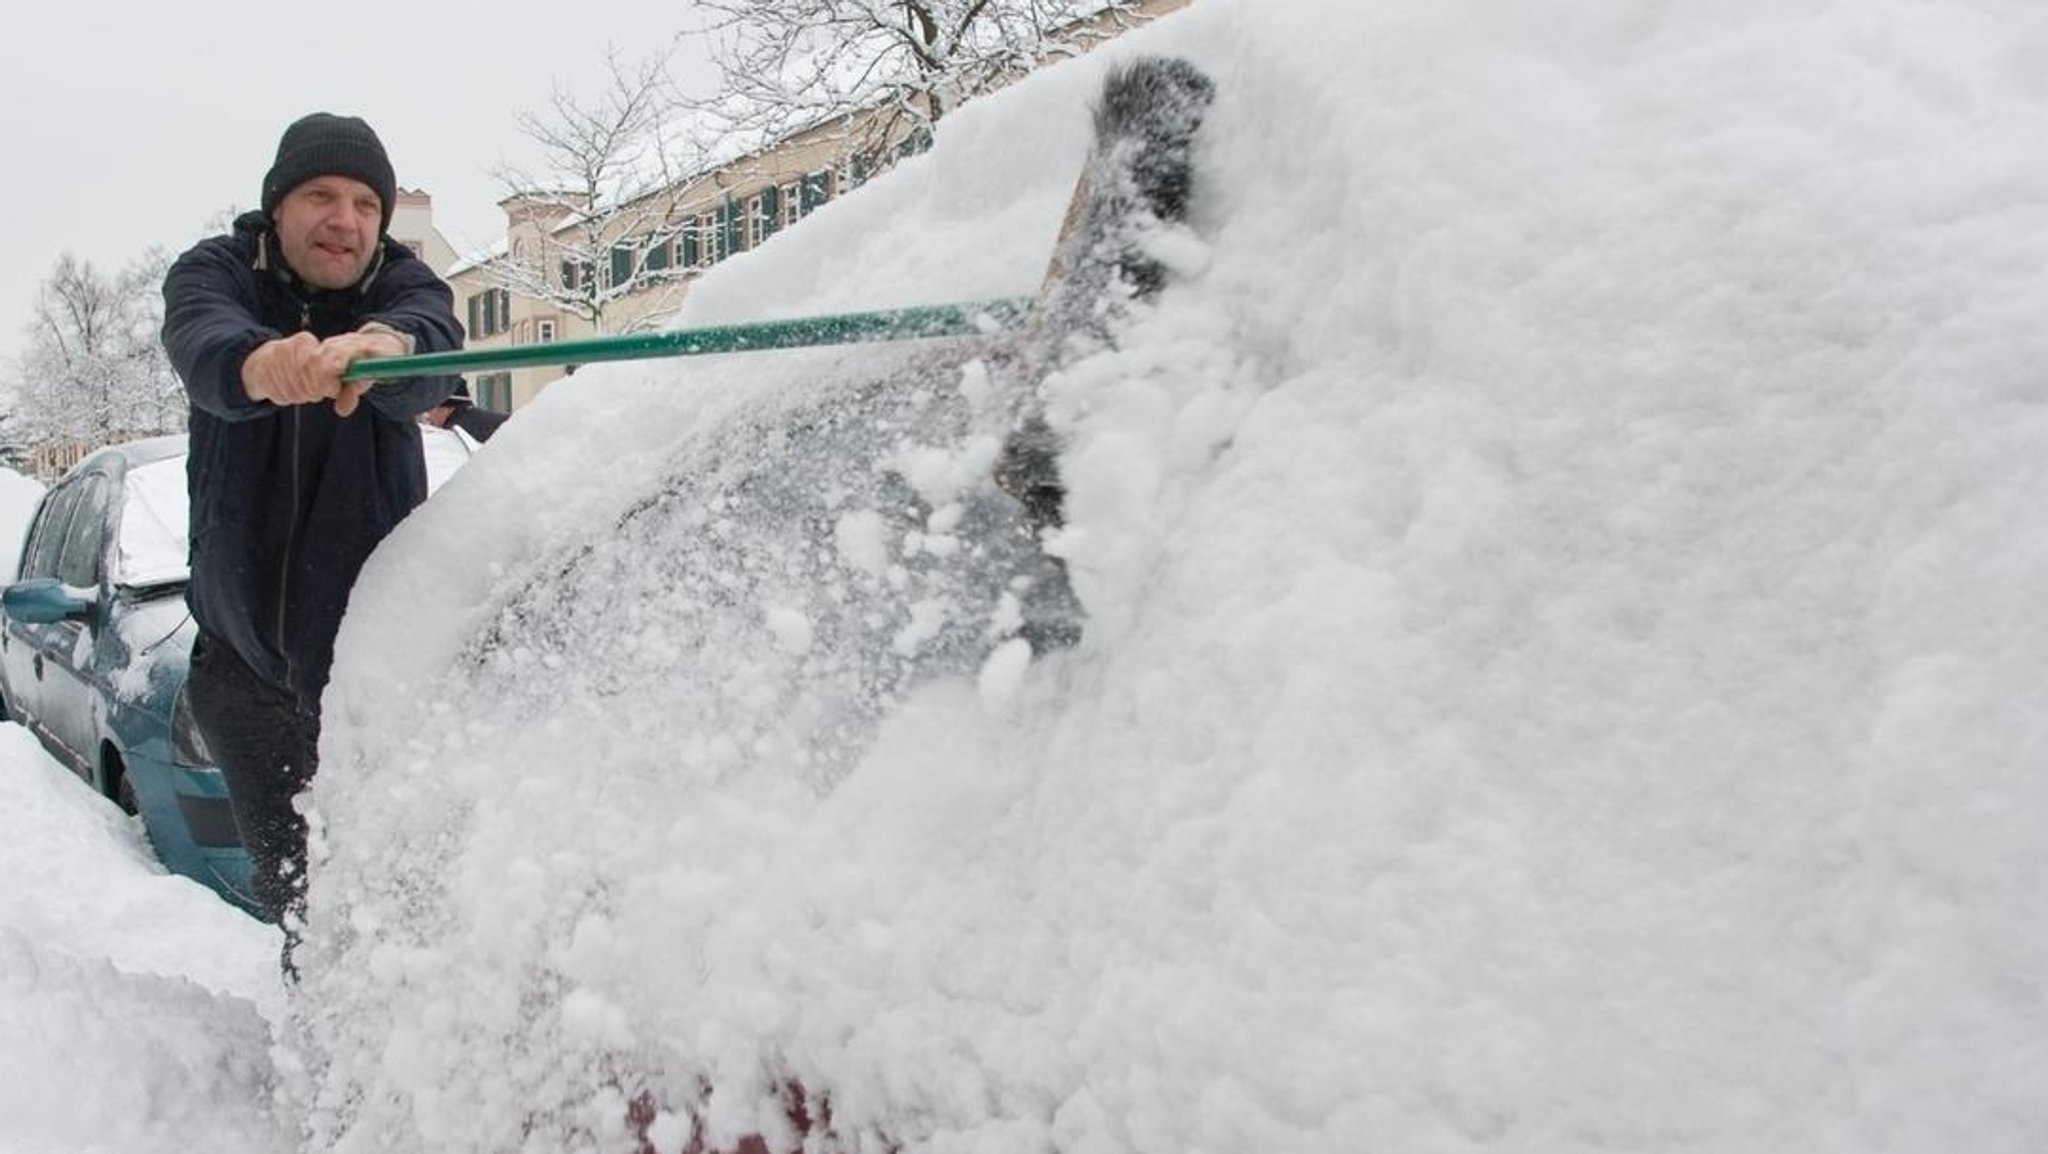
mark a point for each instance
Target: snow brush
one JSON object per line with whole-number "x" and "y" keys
{"x": 915, "y": 323}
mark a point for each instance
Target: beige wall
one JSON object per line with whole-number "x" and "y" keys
{"x": 412, "y": 224}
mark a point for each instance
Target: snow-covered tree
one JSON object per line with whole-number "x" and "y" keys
{"x": 95, "y": 373}
{"x": 901, "y": 64}
{"x": 610, "y": 173}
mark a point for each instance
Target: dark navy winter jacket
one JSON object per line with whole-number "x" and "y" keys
{"x": 289, "y": 500}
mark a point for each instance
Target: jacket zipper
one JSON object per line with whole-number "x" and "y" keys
{"x": 291, "y": 533}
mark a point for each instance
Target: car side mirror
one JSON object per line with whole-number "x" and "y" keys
{"x": 43, "y": 601}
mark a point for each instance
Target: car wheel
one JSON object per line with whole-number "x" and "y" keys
{"x": 118, "y": 786}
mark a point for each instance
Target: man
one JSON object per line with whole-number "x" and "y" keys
{"x": 460, "y": 412}
{"x": 294, "y": 476}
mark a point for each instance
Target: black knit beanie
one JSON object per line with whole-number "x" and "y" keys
{"x": 323, "y": 144}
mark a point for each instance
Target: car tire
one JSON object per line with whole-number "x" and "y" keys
{"x": 119, "y": 787}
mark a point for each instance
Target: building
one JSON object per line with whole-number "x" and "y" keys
{"x": 671, "y": 235}
{"x": 412, "y": 225}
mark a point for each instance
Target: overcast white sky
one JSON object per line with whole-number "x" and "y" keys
{"x": 131, "y": 124}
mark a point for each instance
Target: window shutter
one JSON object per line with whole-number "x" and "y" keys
{"x": 622, "y": 265}
{"x": 657, "y": 255}
{"x": 729, "y": 222}
{"x": 817, "y": 189}
{"x": 689, "y": 242}
{"x": 771, "y": 210}
{"x": 475, "y": 329}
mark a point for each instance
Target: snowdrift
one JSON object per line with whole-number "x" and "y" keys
{"x": 1562, "y": 667}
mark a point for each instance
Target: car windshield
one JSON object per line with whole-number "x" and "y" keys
{"x": 154, "y": 514}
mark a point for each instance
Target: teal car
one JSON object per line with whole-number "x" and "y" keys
{"x": 94, "y": 641}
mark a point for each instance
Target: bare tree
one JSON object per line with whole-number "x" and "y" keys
{"x": 901, "y": 64}
{"x": 94, "y": 373}
{"x": 607, "y": 193}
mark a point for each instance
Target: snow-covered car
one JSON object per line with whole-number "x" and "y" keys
{"x": 95, "y": 639}
{"x": 1560, "y": 665}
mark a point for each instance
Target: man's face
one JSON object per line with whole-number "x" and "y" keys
{"x": 328, "y": 229}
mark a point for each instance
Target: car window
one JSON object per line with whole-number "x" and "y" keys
{"x": 155, "y": 514}
{"x": 446, "y": 450}
{"x": 85, "y": 539}
{"x": 46, "y": 539}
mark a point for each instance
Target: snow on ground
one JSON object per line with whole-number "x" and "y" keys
{"x": 135, "y": 1006}
{"x": 1563, "y": 665}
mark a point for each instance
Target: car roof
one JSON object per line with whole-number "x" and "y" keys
{"x": 140, "y": 452}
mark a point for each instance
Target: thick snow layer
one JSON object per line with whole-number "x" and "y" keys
{"x": 1562, "y": 668}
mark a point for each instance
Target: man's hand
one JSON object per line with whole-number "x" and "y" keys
{"x": 301, "y": 369}
{"x": 288, "y": 371}
{"x": 348, "y": 348}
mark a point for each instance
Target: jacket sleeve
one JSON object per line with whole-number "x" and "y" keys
{"x": 412, "y": 300}
{"x": 210, "y": 327}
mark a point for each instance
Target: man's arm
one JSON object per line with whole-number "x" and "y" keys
{"x": 210, "y": 330}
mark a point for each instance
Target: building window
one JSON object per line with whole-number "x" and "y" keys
{"x": 711, "y": 238}
{"x": 543, "y": 331}
{"x": 732, "y": 222}
{"x": 490, "y": 312}
{"x": 792, "y": 204}
{"x": 494, "y": 392}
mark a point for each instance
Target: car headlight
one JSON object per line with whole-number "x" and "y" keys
{"x": 187, "y": 746}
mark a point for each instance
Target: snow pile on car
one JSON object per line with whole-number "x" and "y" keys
{"x": 1562, "y": 665}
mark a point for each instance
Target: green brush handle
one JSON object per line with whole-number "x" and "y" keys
{"x": 846, "y": 328}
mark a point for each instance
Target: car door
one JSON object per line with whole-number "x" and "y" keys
{"x": 69, "y": 690}
{"x": 21, "y": 642}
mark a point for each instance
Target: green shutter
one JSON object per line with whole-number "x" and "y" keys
{"x": 475, "y": 329}
{"x": 817, "y": 189}
{"x": 622, "y": 264}
{"x": 568, "y": 275}
{"x": 920, "y": 140}
{"x": 729, "y": 222}
{"x": 657, "y": 254}
{"x": 691, "y": 255}
{"x": 771, "y": 211}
